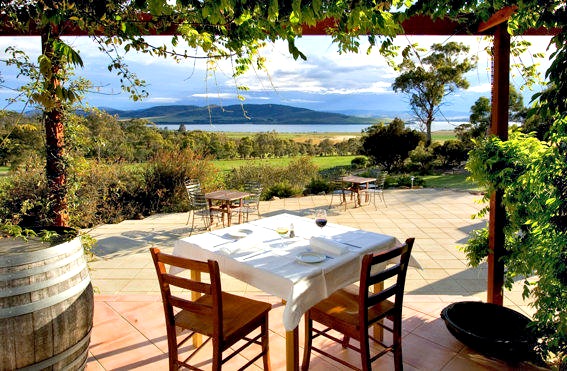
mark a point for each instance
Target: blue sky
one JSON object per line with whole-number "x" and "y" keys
{"x": 327, "y": 81}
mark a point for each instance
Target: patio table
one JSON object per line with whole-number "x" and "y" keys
{"x": 261, "y": 260}
{"x": 227, "y": 197}
{"x": 356, "y": 183}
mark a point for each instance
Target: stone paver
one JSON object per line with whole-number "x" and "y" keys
{"x": 129, "y": 329}
{"x": 439, "y": 220}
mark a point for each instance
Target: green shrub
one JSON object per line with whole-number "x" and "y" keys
{"x": 164, "y": 190}
{"x": 334, "y": 172}
{"x": 283, "y": 190}
{"x": 359, "y": 162}
{"x": 299, "y": 172}
{"x": 102, "y": 193}
{"x": 23, "y": 198}
{"x": 403, "y": 180}
{"x": 318, "y": 185}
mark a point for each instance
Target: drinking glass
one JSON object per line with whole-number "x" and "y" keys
{"x": 321, "y": 219}
{"x": 282, "y": 231}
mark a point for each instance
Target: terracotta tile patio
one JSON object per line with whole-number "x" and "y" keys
{"x": 129, "y": 331}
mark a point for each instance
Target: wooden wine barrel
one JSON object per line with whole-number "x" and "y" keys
{"x": 46, "y": 306}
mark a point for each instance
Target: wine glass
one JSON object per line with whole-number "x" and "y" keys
{"x": 282, "y": 231}
{"x": 321, "y": 219}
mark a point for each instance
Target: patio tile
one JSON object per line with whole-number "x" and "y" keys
{"x": 436, "y": 331}
{"x": 425, "y": 354}
{"x": 129, "y": 330}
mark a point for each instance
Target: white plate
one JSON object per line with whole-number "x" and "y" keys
{"x": 311, "y": 257}
{"x": 239, "y": 233}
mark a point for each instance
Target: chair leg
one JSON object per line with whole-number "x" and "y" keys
{"x": 172, "y": 350}
{"x": 373, "y": 195}
{"x": 365, "y": 351}
{"x": 217, "y": 356}
{"x": 265, "y": 345}
{"x": 308, "y": 343}
{"x": 397, "y": 342}
{"x": 382, "y": 197}
{"x": 192, "y": 223}
{"x": 189, "y": 216}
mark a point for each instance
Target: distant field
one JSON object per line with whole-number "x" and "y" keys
{"x": 438, "y": 136}
{"x": 303, "y": 137}
{"x": 4, "y": 170}
{"x": 321, "y": 162}
{"x": 443, "y": 135}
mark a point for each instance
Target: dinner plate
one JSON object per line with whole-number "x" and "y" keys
{"x": 240, "y": 233}
{"x": 311, "y": 257}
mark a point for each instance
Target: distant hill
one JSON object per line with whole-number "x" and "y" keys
{"x": 262, "y": 114}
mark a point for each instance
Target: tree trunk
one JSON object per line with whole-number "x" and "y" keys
{"x": 428, "y": 129}
{"x": 55, "y": 167}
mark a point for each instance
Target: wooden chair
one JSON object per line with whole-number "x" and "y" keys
{"x": 223, "y": 317}
{"x": 353, "y": 313}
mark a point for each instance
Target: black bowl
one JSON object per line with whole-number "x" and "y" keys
{"x": 490, "y": 329}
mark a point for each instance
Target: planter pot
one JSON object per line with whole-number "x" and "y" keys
{"x": 46, "y": 305}
{"x": 490, "y": 329}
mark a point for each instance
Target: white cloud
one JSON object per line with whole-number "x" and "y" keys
{"x": 163, "y": 100}
{"x": 214, "y": 95}
{"x": 483, "y": 88}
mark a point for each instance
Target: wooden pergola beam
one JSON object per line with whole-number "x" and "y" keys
{"x": 417, "y": 25}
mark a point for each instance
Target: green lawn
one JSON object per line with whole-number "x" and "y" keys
{"x": 443, "y": 135}
{"x": 321, "y": 162}
{"x": 452, "y": 181}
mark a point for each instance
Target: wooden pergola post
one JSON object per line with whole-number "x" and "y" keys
{"x": 498, "y": 127}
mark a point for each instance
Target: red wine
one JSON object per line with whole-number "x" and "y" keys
{"x": 321, "y": 222}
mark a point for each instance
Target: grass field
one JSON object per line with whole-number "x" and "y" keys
{"x": 452, "y": 181}
{"x": 443, "y": 135}
{"x": 321, "y": 162}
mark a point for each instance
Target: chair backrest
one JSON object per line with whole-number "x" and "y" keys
{"x": 381, "y": 179}
{"x": 200, "y": 201}
{"x": 255, "y": 190}
{"x": 367, "y": 300}
{"x": 192, "y": 186}
{"x": 210, "y": 308}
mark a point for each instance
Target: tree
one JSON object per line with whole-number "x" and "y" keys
{"x": 427, "y": 81}
{"x": 389, "y": 144}
{"x": 235, "y": 30}
{"x": 480, "y": 117}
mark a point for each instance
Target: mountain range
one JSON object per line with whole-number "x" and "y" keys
{"x": 263, "y": 114}
{"x": 268, "y": 114}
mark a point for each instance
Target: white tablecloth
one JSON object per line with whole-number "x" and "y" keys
{"x": 260, "y": 260}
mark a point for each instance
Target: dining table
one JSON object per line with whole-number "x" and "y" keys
{"x": 227, "y": 198}
{"x": 302, "y": 270}
{"x": 358, "y": 183}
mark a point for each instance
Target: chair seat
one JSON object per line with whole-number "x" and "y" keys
{"x": 245, "y": 209}
{"x": 340, "y": 311}
{"x": 207, "y": 212}
{"x": 340, "y": 191}
{"x": 238, "y": 313}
